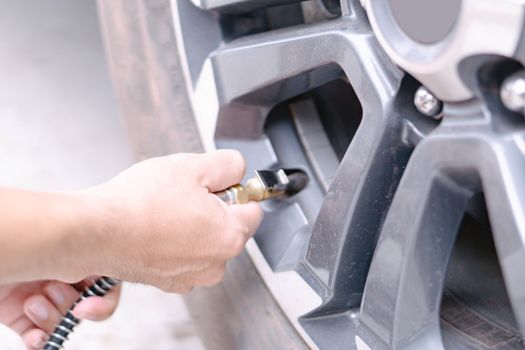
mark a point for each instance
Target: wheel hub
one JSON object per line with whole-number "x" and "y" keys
{"x": 400, "y": 191}
{"x": 482, "y": 27}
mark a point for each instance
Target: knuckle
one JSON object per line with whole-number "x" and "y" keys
{"x": 245, "y": 231}
{"x": 233, "y": 242}
{"x": 184, "y": 290}
{"x": 233, "y": 159}
{"x": 165, "y": 287}
{"x": 218, "y": 276}
{"x": 237, "y": 244}
{"x": 238, "y": 161}
{"x": 173, "y": 289}
{"x": 175, "y": 286}
{"x": 183, "y": 159}
{"x": 214, "y": 276}
{"x": 168, "y": 285}
{"x": 213, "y": 281}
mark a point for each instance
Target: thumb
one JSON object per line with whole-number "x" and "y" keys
{"x": 98, "y": 308}
{"x": 249, "y": 214}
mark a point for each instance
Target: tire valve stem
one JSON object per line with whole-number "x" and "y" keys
{"x": 68, "y": 322}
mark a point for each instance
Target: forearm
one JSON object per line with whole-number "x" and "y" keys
{"x": 48, "y": 235}
{"x": 134, "y": 227}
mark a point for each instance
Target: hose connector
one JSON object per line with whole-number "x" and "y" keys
{"x": 265, "y": 185}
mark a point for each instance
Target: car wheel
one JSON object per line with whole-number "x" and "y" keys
{"x": 411, "y": 233}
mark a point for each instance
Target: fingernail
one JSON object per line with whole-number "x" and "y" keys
{"x": 39, "y": 310}
{"x": 56, "y": 294}
{"x": 85, "y": 316}
{"x": 89, "y": 315}
{"x": 39, "y": 342}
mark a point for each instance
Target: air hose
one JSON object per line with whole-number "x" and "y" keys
{"x": 68, "y": 322}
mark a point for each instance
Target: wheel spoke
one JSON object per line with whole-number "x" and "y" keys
{"x": 506, "y": 205}
{"x": 348, "y": 224}
{"x": 354, "y": 206}
{"x": 253, "y": 63}
{"x": 402, "y": 298}
{"x": 404, "y": 284}
{"x": 255, "y": 73}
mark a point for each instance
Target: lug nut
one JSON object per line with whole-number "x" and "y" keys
{"x": 428, "y": 104}
{"x": 512, "y": 92}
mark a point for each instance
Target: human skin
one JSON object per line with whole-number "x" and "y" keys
{"x": 156, "y": 223}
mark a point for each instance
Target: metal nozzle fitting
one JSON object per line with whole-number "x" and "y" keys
{"x": 266, "y": 184}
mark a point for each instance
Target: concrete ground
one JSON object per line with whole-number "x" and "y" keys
{"x": 60, "y": 130}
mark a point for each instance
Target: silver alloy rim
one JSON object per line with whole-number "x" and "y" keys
{"x": 402, "y": 200}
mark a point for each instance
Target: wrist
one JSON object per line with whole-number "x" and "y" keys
{"x": 93, "y": 240}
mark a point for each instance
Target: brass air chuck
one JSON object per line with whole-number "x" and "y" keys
{"x": 265, "y": 185}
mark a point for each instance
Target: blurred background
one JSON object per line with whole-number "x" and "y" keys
{"x": 60, "y": 130}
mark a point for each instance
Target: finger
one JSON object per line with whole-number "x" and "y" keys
{"x": 42, "y": 312}
{"x": 250, "y": 215}
{"x": 98, "y": 308}
{"x": 21, "y": 324}
{"x": 12, "y": 303}
{"x": 221, "y": 169}
{"x": 87, "y": 282}
{"x": 62, "y": 295}
{"x": 34, "y": 339}
{"x": 80, "y": 286}
{"x": 5, "y": 290}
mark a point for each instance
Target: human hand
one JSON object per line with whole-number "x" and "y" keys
{"x": 166, "y": 227}
{"x": 32, "y": 309}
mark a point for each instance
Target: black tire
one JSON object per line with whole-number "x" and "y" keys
{"x": 240, "y": 313}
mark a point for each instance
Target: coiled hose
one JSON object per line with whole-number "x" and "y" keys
{"x": 68, "y": 322}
